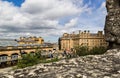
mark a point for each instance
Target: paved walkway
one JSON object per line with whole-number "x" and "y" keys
{"x": 4, "y": 70}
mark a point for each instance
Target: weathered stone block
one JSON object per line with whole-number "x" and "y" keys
{"x": 112, "y": 25}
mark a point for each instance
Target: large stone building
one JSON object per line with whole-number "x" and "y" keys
{"x": 69, "y": 41}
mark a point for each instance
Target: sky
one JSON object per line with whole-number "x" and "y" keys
{"x": 50, "y": 18}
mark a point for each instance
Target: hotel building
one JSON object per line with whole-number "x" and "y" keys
{"x": 69, "y": 41}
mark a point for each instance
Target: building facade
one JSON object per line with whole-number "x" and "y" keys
{"x": 11, "y": 50}
{"x": 30, "y": 40}
{"x": 69, "y": 41}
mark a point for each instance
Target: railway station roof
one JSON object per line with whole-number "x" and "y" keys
{"x": 8, "y": 42}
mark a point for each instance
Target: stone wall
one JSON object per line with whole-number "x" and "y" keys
{"x": 112, "y": 25}
{"x": 92, "y": 66}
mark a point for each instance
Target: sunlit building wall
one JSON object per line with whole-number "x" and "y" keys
{"x": 69, "y": 41}
{"x": 30, "y": 40}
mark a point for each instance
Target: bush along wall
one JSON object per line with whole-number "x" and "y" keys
{"x": 84, "y": 50}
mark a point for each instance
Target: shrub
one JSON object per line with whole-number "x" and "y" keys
{"x": 27, "y": 60}
{"x": 38, "y": 54}
{"x": 32, "y": 59}
{"x": 98, "y": 50}
{"x": 81, "y": 50}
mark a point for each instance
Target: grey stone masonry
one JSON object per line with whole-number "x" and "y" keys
{"x": 112, "y": 25}
{"x": 91, "y": 66}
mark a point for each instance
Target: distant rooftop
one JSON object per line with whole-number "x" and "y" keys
{"x": 12, "y": 42}
{"x": 8, "y": 42}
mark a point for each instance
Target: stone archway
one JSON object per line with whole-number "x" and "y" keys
{"x": 32, "y": 53}
{"x": 23, "y": 52}
{"x": 3, "y": 60}
{"x": 14, "y": 58}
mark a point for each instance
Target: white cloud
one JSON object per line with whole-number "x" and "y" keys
{"x": 50, "y": 9}
{"x": 93, "y": 21}
{"x": 41, "y": 17}
{"x": 72, "y": 23}
{"x": 102, "y": 8}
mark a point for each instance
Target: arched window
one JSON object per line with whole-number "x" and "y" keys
{"x": 14, "y": 56}
{"x": 3, "y": 57}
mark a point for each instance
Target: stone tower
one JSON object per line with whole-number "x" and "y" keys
{"x": 112, "y": 25}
